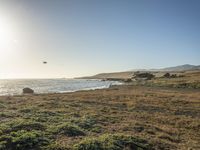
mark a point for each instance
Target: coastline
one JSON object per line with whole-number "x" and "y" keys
{"x": 39, "y": 86}
{"x": 151, "y": 113}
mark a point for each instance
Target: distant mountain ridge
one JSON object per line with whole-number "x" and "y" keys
{"x": 185, "y": 67}
{"x": 129, "y": 74}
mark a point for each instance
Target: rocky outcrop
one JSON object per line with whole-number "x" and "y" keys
{"x": 28, "y": 91}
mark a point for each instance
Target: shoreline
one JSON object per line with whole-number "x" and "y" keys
{"x": 108, "y": 88}
{"x": 64, "y": 92}
{"x": 57, "y": 86}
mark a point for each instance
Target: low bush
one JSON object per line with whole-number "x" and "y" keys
{"x": 22, "y": 125}
{"x": 89, "y": 123}
{"x": 68, "y": 130}
{"x": 23, "y": 140}
{"x": 55, "y": 146}
{"x": 85, "y": 122}
{"x": 112, "y": 142}
{"x": 146, "y": 75}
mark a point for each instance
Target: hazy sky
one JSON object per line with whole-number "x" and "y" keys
{"x": 85, "y": 37}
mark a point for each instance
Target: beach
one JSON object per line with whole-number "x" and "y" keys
{"x": 166, "y": 118}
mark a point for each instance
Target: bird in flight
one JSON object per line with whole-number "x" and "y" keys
{"x": 44, "y": 62}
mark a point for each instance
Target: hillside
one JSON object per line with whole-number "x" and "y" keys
{"x": 129, "y": 74}
{"x": 185, "y": 67}
{"x": 114, "y": 75}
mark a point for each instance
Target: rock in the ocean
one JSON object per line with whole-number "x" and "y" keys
{"x": 28, "y": 91}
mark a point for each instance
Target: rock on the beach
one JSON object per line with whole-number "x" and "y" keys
{"x": 28, "y": 91}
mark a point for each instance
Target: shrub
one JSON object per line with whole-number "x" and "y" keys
{"x": 145, "y": 75}
{"x": 55, "y": 146}
{"x": 69, "y": 130}
{"x": 112, "y": 142}
{"x": 28, "y": 126}
{"x": 2, "y": 105}
{"x": 89, "y": 144}
{"x": 173, "y": 76}
{"x": 167, "y": 75}
{"x": 89, "y": 123}
{"x": 23, "y": 140}
{"x": 86, "y": 122}
{"x": 22, "y": 125}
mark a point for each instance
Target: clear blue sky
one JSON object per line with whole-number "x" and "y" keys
{"x": 85, "y": 37}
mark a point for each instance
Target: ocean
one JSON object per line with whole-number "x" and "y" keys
{"x": 15, "y": 86}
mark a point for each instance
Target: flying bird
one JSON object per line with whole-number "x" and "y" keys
{"x": 44, "y": 62}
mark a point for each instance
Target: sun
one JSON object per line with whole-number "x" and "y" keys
{"x": 7, "y": 39}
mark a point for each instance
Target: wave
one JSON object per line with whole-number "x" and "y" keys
{"x": 14, "y": 87}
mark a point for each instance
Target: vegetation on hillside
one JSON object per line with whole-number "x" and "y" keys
{"x": 183, "y": 80}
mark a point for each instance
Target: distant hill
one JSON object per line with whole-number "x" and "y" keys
{"x": 185, "y": 67}
{"x": 114, "y": 75}
{"x": 129, "y": 74}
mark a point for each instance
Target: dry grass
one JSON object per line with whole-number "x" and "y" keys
{"x": 167, "y": 118}
{"x": 190, "y": 79}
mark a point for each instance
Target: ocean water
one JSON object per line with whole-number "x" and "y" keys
{"x": 15, "y": 86}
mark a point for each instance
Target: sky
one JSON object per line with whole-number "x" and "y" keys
{"x": 86, "y": 37}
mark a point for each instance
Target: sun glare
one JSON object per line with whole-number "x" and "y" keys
{"x": 7, "y": 39}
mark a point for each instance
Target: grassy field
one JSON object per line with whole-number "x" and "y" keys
{"x": 123, "y": 117}
{"x": 190, "y": 79}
